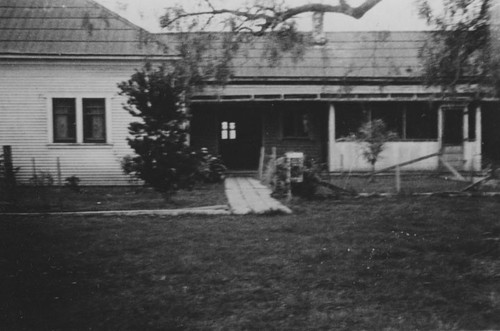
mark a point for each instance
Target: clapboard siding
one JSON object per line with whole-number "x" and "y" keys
{"x": 25, "y": 91}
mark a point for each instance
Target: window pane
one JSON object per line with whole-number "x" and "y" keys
{"x": 94, "y": 120}
{"x": 232, "y": 125}
{"x": 223, "y": 134}
{"x": 232, "y": 134}
{"x": 224, "y": 125}
{"x": 64, "y": 120}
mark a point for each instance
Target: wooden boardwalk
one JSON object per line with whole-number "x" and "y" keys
{"x": 248, "y": 196}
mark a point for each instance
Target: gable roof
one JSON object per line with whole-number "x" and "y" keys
{"x": 346, "y": 55}
{"x": 76, "y": 28}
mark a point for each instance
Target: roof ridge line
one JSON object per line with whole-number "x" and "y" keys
{"x": 126, "y": 21}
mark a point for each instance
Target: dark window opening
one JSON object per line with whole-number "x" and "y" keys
{"x": 94, "y": 120}
{"x": 421, "y": 121}
{"x": 296, "y": 123}
{"x": 472, "y": 121}
{"x": 392, "y": 115}
{"x": 348, "y": 119}
{"x": 409, "y": 120}
{"x": 64, "y": 120}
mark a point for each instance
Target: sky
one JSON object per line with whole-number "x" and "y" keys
{"x": 390, "y": 15}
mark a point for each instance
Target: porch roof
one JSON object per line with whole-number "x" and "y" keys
{"x": 77, "y": 28}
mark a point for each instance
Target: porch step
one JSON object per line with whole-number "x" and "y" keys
{"x": 454, "y": 155}
{"x": 453, "y": 149}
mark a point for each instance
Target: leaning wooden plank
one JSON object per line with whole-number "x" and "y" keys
{"x": 336, "y": 188}
{"x": 451, "y": 169}
{"x": 473, "y": 185}
{"x": 402, "y": 164}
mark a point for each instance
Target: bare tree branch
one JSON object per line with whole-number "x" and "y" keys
{"x": 272, "y": 17}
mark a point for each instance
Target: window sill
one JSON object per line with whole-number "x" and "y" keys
{"x": 79, "y": 145}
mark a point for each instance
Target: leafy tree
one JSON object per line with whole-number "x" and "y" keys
{"x": 460, "y": 49}
{"x": 163, "y": 158}
{"x": 373, "y": 136}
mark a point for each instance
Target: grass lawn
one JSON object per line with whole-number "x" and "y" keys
{"x": 33, "y": 199}
{"x": 392, "y": 264}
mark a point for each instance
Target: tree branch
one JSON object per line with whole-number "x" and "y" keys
{"x": 273, "y": 16}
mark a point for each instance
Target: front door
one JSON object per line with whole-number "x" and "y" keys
{"x": 240, "y": 138}
{"x": 453, "y": 127}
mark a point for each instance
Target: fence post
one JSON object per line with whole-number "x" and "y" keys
{"x": 59, "y": 176}
{"x": 398, "y": 179}
{"x": 398, "y": 173}
{"x": 261, "y": 162}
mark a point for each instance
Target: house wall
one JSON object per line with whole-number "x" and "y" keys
{"x": 26, "y": 89}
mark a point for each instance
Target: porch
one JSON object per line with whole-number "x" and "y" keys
{"x": 319, "y": 125}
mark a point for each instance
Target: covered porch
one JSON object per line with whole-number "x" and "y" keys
{"x": 320, "y": 120}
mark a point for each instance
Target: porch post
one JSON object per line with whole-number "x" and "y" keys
{"x": 479, "y": 140}
{"x": 467, "y": 154}
{"x": 465, "y": 124}
{"x": 331, "y": 135}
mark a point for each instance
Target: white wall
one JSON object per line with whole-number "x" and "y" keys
{"x": 26, "y": 89}
{"x": 347, "y": 156}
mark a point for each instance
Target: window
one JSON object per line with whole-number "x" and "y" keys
{"x": 228, "y": 130}
{"x": 392, "y": 115}
{"x": 421, "y": 121}
{"x": 94, "y": 121}
{"x": 64, "y": 120}
{"x": 295, "y": 123}
{"x": 79, "y": 120}
{"x": 348, "y": 119}
{"x": 410, "y": 120}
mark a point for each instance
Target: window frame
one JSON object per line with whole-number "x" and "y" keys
{"x": 85, "y": 118}
{"x": 79, "y": 119}
{"x": 71, "y": 122}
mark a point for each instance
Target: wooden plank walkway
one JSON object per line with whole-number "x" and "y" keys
{"x": 248, "y": 196}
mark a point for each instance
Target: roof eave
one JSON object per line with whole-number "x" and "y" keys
{"x": 17, "y": 56}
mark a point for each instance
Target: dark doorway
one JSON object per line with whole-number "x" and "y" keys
{"x": 240, "y": 137}
{"x": 491, "y": 132}
{"x": 453, "y": 126}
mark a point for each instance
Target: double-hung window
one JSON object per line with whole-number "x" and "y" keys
{"x": 64, "y": 116}
{"x": 94, "y": 121}
{"x": 79, "y": 120}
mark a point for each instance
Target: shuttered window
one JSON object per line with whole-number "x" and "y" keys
{"x": 94, "y": 121}
{"x": 64, "y": 116}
